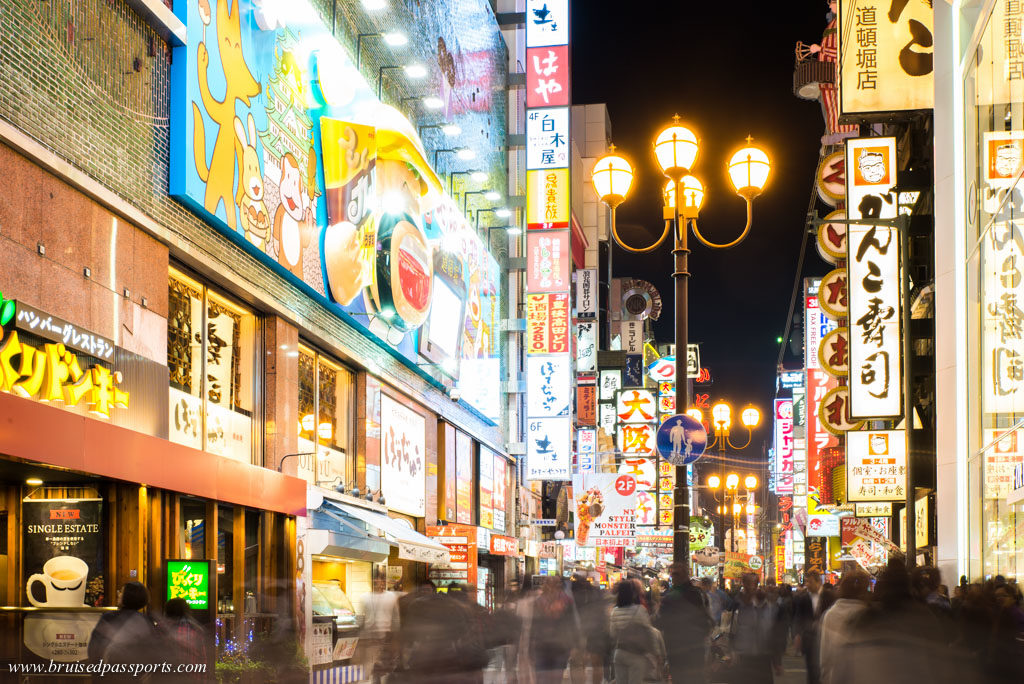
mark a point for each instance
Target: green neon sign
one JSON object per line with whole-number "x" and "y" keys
{"x": 7, "y": 310}
{"x": 189, "y": 580}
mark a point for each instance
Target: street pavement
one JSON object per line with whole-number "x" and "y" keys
{"x": 794, "y": 672}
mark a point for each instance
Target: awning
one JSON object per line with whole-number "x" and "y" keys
{"x": 411, "y": 544}
{"x": 333, "y": 533}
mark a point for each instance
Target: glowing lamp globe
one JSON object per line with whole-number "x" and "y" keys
{"x": 732, "y": 481}
{"x": 714, "y": 482}
{"x": 722, "y": 414}
{"x": 676, "y": 150}
{"x": 695, "y": 413}
{"x": 748, "y": 170}
{"x": 612, "y": 177}
{"x": 750, "y": 482}
{"x": 691, "y": 190}
{"x": 750, "y": 417}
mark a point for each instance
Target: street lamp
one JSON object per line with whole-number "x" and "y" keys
{"x": 675, "y": 149}
{"x": 726, "y": 493}
{"x": 721, "y": 414}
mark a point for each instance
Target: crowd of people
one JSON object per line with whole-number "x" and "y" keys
{"x": 897, "y": 626}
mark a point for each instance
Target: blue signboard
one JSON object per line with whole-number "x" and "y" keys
{"x": 681, "y": 439}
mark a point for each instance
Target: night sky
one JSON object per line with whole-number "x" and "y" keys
{"x": 727, "y": 69}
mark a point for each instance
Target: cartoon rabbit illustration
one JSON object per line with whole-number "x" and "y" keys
{"x": 240, "y": 85}
{"x": 253, "y": 215}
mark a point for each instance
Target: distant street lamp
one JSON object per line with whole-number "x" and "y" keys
{"x": 675, "y": 150}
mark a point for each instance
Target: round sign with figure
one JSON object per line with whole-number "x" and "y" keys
{"x": 681, "y": 439}
{"x": 755, "y": 563}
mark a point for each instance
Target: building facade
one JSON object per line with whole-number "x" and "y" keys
{"x": 259, "y": 278}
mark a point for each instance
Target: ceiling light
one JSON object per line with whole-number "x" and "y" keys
{"x": 415, "y": 70}
{"x": 492, "y": 196}
{"x": 431, "y": 102}
{"x": 451, "y": 129}
{"x": 466, "y": 154}
{"x": 396, "y": 39}
{"x": 513, "y": 230}
{"x": 502, "y": 213}
{"x": 374, "y": 4}
{"x": 478, "y": 176}
{"x": 33, "y": 482}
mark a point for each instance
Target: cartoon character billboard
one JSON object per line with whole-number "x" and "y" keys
{"x": 278, "y": 141}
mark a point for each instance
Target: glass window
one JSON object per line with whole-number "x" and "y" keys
{"x": 211, "y": 360}
{"x": 225, "y": 559}
{"x": 191, "y": 529}
{"x": 326, "y": 419}
{"x": 252, "y": 560}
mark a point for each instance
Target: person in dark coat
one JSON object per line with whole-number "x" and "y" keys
{"x": 126, "y": 636}
{"x": 592, "y": 609}
{"x": 808, "y": 607}
{"x": 428, "y": 643}
{"x": 685, "y": 624}
{"x": 188, "y": 642}
{"x": 554, "y": 631}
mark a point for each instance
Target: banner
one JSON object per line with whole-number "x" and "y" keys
{"x": 784, "y": 446}
{"x": 876, "y": 465}
{"x": 63, "y": 552}
{"x": 403, "y": 457}
{"x": 547, "y": 323}
{"x": 604, "y": 508}
{"x": 816, "y": 550}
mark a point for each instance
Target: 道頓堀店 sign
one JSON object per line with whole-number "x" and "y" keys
{"x": 885, "y": 56}
{"x": 873, "y": 285}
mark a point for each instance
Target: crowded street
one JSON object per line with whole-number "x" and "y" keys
{"x": 511, "y": 342}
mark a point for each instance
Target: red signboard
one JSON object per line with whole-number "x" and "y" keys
{"x": 547, "y": 76}
{"x": 460, "y": 540}
{"x": 586, "y": 405}
{"x": 819, "y": 383}
{"x": 504, "y": 546}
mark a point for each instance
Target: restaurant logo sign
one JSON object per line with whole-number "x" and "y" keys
{"x": 189, "y": 580}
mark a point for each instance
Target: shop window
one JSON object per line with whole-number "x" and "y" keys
{"x": 225, "y": 559}
{"x": 192, "y": 529}
{"x": 211, "y": 361}
{"x": 326, "y": 419}
{"x": 994, "y": 155}
{"x": 252, "y": 560}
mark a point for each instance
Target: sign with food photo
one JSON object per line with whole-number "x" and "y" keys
{"x": 63, "y": 552}
{"x": 604, "y": 506}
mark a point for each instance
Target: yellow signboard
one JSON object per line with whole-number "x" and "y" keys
{"x": 547, "y": 204}
{"x": 885, "y": 56}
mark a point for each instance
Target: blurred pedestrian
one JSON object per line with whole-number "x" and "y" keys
{"x": 128, "y": 634}
{"x": 592, "y": 609}
{"x": 685, "y": 625}
{"x": 188, "y": 642}
{"x": 428, "y": 641}
{"x": 751, "y": 629}
{"x": 554, "y": 631}
{"x": 1007, "y": 649}
{"x": 837, "y": 622}
{"x": 632, "y": 634}
{"x": 379, "y": 618}
{"x": 808, "y": 607}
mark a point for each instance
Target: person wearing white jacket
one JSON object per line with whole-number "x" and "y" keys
{"x": 838, "y": 621}
{"x": 633, "y": 637}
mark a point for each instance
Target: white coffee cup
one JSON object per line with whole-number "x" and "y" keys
{"x": 65, "y": 578}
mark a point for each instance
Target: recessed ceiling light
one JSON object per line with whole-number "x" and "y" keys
{"x": 492, "y": 196}
{"x": 502, "y": 213}
{"x": 396, "y": 39}
{"x": 415, "y": 70}
{"x": 478, "y": 176}
{"x": 33, "y": 482}
{"x": 451, "y": 129}
{"x": 513, "y": 230}
{"x": 466, "y": 154}
{"x": 431, "y": 102}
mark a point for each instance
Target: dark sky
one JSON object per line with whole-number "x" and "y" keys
{"x": 726, "y": 68}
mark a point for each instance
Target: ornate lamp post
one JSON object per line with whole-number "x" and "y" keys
{"x": 675, "y": 150}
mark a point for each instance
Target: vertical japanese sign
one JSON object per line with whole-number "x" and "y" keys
{"x": 783, "y": 446}
{"x": 586, "y": 293}
{"x": 548, "y": 269}
{"x": 460, "y": 540}
{"x": 819, "y": 383}
{"x": 885, "y": 56}
{"x": 1002, "y": 352}
{"x": 403, "y": 457}
{"x": 876, "y": 349}
{"x": 637, "y": 414}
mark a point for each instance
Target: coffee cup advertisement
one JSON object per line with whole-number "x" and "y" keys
{"x": 63, "y": 552}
